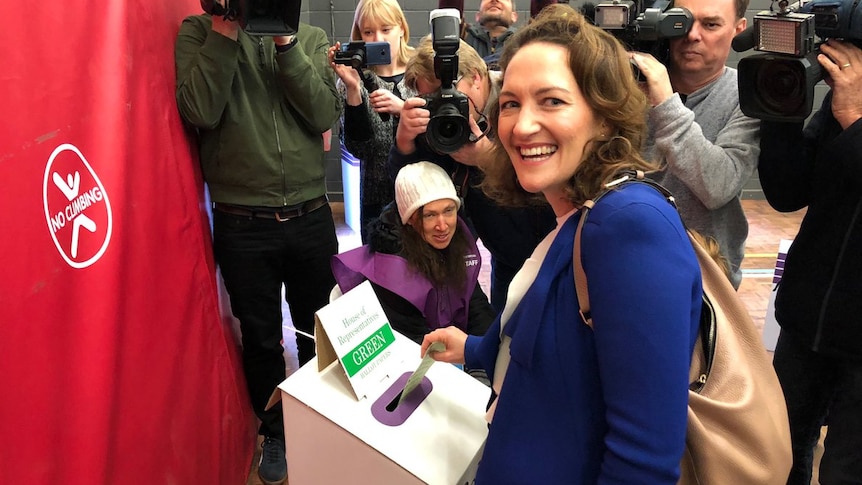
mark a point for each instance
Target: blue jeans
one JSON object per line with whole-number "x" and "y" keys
{"x": 257, "y": 256}
{"x": 821, "y": 390}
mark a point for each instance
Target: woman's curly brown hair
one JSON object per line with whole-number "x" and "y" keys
{"x": 604, "y": 74}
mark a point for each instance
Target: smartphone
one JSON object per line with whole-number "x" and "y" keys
{"x": 360, "y": 54}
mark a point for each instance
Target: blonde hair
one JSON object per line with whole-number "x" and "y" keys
{"x": 713, "y": 249}
{"x": 603, "y": 73}
{"x": 383, "y": 12}
{"x": 421, "y": 65}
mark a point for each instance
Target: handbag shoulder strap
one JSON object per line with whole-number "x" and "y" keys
{"x": 707, "y": 328}
{"x": 626, "y": 177}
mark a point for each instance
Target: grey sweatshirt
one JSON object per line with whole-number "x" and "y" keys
{"x": 710, "y": 150}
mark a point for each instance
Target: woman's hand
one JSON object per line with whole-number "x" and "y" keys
{"x": 348, "y": 76}
{"x": 453, "y": 338}
{"x": 385, "y": 101}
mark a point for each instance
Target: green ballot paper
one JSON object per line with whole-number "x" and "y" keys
{"x": 420, "y": 371}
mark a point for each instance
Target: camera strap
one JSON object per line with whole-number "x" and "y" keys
{"x": 461, "y": 177}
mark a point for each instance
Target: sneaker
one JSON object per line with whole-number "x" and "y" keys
{"x": 273, "y": 466}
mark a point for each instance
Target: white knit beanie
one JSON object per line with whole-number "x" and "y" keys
{"x": 420, "y": 183}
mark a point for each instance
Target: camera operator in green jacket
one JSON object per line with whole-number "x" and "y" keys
{"x": 260, "y": 105}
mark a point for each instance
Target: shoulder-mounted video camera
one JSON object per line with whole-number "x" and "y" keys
{"x": 641, "y": 25}
{"x": 779, "y": 84}
{"x": 449, "y": 127}
{"x": 258, "y": 17}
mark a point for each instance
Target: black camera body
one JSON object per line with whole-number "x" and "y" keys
{"x": 259, "y": 17}
{"x": 449, "y": 127}
{"x": 360, "y": 54}
{"x": 779, "y": 84}
{"x": 641, "y": 25}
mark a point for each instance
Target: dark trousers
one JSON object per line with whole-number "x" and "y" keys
{"x": 367, "y": 213}
{"x": 257, "y": 256}
{"x": 821, "y": 390}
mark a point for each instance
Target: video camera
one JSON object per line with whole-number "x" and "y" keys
{"x": 641, "y": 25}
{"x": 449, "y": 127}
{"x": 259, "y": 17}
{"x": 779, "y": 85}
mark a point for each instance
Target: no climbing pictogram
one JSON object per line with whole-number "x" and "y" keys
{"x": 77, "y": 208}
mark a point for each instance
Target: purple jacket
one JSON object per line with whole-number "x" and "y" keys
{"x": 440, "y": 306}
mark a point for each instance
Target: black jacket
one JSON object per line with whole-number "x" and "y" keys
{"x": 819, "y": 298}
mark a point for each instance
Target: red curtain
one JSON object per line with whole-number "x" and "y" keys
{"x": 116, "y": 364}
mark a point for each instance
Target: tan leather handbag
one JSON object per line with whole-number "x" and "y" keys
{"x": 738, "y": 432}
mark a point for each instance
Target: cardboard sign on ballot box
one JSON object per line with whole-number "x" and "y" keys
{"x": 342, "y": 420}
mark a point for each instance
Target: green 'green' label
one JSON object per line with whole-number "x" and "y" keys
{"x": 365, "y": 353}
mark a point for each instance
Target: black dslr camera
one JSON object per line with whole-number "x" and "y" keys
{"x": 449, "y": 127}
{"x": 259, "y": 17}
{"x": 779, "y": 85}
{"x": 642, "y": 25}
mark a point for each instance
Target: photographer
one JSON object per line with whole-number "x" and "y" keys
{"x": 494, "y": 24}
{"x": 818, "y": 357}
{"x": 696, "y": 128}
{"x": 372, "y": 105}
{"x": 509, "y": 234}
{"x": 260, "y": 105}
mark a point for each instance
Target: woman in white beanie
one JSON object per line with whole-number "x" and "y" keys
{"x": 421, "y": 259}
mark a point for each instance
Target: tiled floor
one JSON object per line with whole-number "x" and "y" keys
{"x": 767, "y": 228}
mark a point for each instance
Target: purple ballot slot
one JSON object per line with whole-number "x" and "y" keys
{"x": 386, "y": 409}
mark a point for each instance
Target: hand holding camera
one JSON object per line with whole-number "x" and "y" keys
{"x": 778, "y": 85}
{"x": 843, "y": 60}
{"x": 656, "y": 79}
{"x": 348, "y": 75}
{"x": 413, "y": 123}
{"x": 476, "y": 152}
{"x": 223, "y": 24}
{"x": 349, "y": 61}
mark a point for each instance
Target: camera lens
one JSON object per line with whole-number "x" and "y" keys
{"x": 448, "y": 130}
{"x": 781, "y": 86}
{"x": 778, "y": 88}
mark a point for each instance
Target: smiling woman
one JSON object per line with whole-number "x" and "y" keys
{"x": 575, "y": 405}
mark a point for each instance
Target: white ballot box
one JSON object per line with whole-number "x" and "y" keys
{"x": 342, "y": 423}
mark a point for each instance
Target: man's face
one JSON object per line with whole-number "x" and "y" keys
{"x": 494, "y": 13}
{"x": 705, "y": 49}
